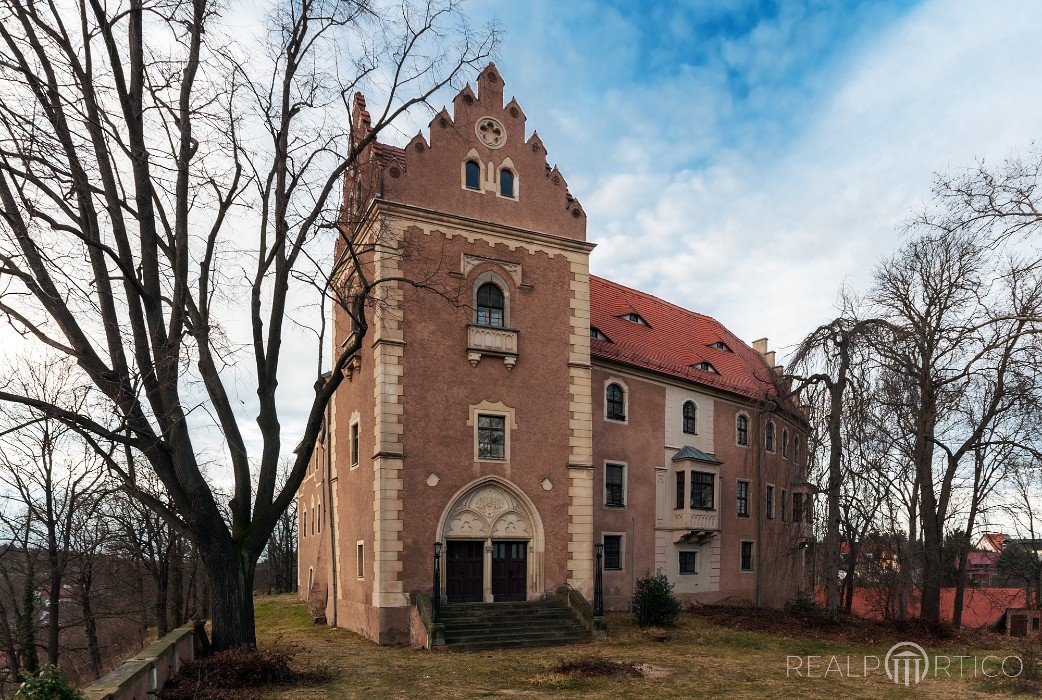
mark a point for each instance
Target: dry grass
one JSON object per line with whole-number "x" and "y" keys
{"x": 697, "y": 658}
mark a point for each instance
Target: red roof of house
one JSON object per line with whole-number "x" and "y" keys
{"x": 982, "y": 559}
{"x": 674, "y": 342}
{"x": 996, "y": 540}
{"x": 385, "y": 154}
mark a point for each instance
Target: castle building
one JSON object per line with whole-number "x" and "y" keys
{"x": 519, "y": 410}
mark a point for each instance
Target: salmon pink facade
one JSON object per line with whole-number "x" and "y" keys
{"x": 533, "y": 420}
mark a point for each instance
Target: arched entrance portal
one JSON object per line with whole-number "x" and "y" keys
{"x": 493, "y": 544}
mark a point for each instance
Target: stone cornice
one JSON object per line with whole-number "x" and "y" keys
{"x": 433, "y": 217}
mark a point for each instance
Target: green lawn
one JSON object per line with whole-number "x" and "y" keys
{"x": 699, "y": 659}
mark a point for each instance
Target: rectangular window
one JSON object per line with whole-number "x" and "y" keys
{"x": 797, "y": 507}
{"x": 808, "y": 508}
{"x": 747, "y": 556}
{"x": 702, "y": 490}
{"x": 360, "y": 559}
{"x": 743, "y": 499}
{"x": 614, "y": 485}
{"x": 769, "y": 509}
{"x": 784, "y": 505}
{"x": 613, "y": 552}
{"x": 354, "y": 444}
{"x": 1034, "y": 623}
{"x": 491, "y": 437}
{"x": 689, "y": 562}
{"x": 680, "y": 490}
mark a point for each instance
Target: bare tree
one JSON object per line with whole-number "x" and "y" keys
{"x": 52, "y": 474}
{"x": 161, "y": 182}
{"x": 959, "y": 325}
{"x": 828, "y": 357}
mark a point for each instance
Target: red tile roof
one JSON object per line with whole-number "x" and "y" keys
{"x": 674, "y": 342}
{"x": 386, "y": 154}
{"x": 982, "y": 560}
{"x": 996, "y": 540}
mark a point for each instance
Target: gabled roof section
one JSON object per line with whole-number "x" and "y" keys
{"x": 675, "y": 342}
{"x": 427, "y": 173}
{"x": 688, "y": 452}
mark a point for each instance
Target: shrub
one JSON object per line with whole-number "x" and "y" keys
{"x": 654, "y": 604}
{"x": 803, "y": 602}
{"x": 48, "y": 684}
{"x": 227, "y": 672}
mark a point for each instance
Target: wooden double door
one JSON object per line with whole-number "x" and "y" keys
{"x": 465, "y": 568}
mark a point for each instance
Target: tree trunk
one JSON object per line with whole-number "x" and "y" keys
{"x": 964, "y": 556}
{"x": 90, "y": 626}
{"x": 159, "y": 603}
{"x": 54, "y": 592}
{"x": 836, "y": 391}
{"x": 177, "y": 583}
{"x": 848, "y": 603}
{"x": 230, "y": 581}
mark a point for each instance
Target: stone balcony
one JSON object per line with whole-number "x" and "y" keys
{"x": 498, "y": 342}
{"x": 697, "y": 520}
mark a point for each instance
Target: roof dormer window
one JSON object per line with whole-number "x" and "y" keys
{"x": 721, "y": 345}
{"x": 706, "y": 367}
{"x": 596, "y": 334}
{"x": 634, "y": 317}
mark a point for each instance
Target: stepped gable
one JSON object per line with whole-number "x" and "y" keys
{"x": 429, "y": 171}
{"x": 674, "y": 342}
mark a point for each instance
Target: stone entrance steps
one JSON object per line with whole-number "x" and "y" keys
{"x": 477, "y": 626}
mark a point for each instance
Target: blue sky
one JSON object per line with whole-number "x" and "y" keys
{"x": 746, "y": 158}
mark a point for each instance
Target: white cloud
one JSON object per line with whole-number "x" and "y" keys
{"x": 763, "y": 237}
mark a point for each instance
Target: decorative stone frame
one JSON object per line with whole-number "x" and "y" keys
{"x": 508, "y": 165}
{"x": 353, "y": 424}
{"x": 493, "y": 409}
{"x": 474, "y": 157}
{"x": 496, "y": 279}
{"x": 748, "y": 426}
{"x": 625, "y": 400}
{"x": 622, "y": 550}
{"x": 523, "y": 507}
{"x": 625, "y": 482}
{"x": 773, "y": 428}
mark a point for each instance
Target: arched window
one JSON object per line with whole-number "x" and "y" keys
{"x": 615, "y": 402}
{"x": 742, "y": 429}
{"x": 473, "y": 175}
{"x": 506, "y": 183}
{"x": 785, "y": 443}
{"x": 690, "y": 418}
{"x": 490, "y": 305}
{"x": 769, "y": 436}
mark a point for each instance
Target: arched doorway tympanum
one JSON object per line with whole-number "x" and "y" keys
{"x": 493, "y": 541}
